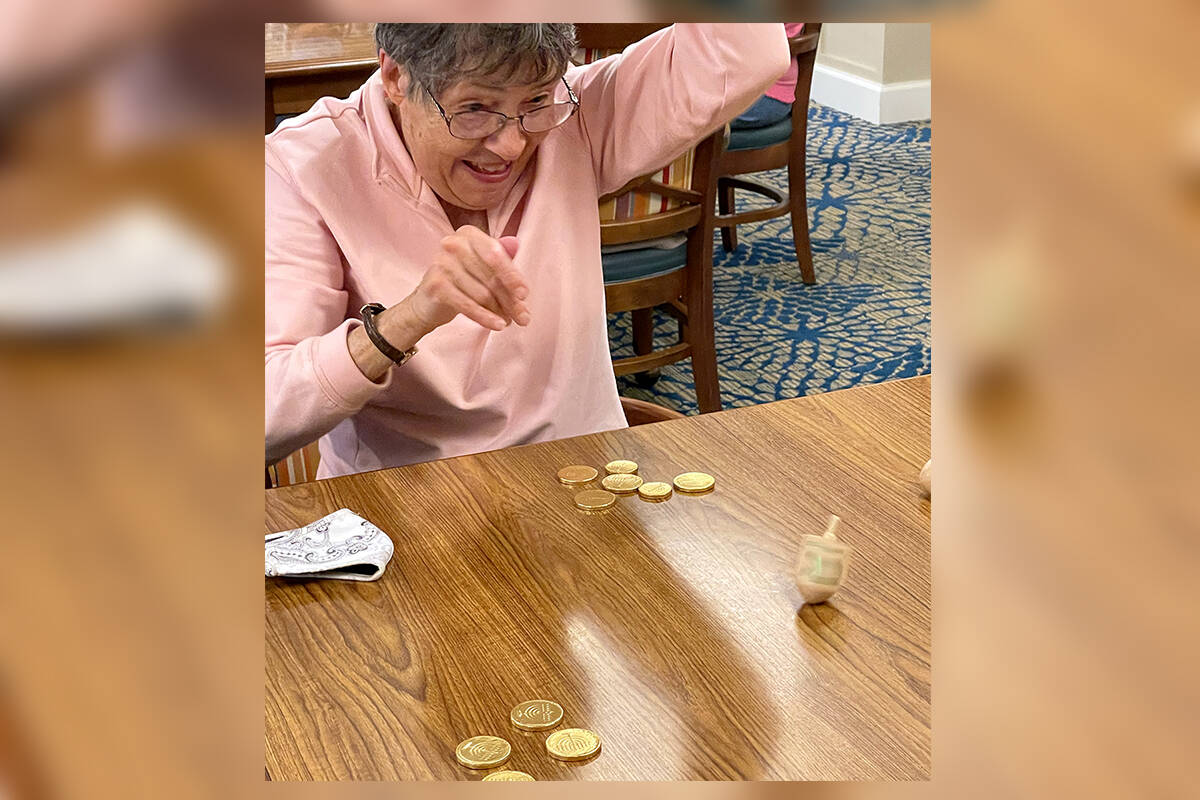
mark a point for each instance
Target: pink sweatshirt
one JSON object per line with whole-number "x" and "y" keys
{"x": 350, "y": 221}
{"x": 784, "y": 89}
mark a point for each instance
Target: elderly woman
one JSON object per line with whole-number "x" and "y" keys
{"x": 452, "y": 198}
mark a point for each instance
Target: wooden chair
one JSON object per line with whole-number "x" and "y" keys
{"x": 301, "y": 466}
{"x": 771, "y": 147}
{"x": 613, "y": 37}
{"x": 678, "y": 280}
{"x": 640, "y": 412}
{"x": 672, "y": 200}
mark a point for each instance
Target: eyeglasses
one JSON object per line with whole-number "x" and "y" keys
{"x": 482, "y": 124}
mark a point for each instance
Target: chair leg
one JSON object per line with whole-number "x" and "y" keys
{"x": 698, "y": 327}
{"x": 725, "y": 203}
{"x": 800, "y": 235}
{"x": 798, "y": 203}
{"x": 643, "y": 331}
{"x": 704, "y": 366}
{"x": 647, "y": 379}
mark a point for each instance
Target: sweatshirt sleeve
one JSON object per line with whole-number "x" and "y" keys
{"x": 312, "y": 382}
{"x": 642, "y": 108}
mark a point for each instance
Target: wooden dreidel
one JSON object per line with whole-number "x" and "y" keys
{"x": 822, "y": 564}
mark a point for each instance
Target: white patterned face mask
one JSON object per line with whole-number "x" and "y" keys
{"x": 341, "y": 546}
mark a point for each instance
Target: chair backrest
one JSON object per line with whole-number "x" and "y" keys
{"x": 688, "y": 205}
{"x": 804, "y": 50}
{"x": 659, "y": 192}
{"x": 613, "y": 35}
{"x": 791, "y": 151}
{"x": 807, "y": 40}
{"x": 641, "y": 412}
{"x": 299, "y": 467}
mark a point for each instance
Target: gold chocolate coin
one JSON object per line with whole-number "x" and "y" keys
{"x": 621, "y": 467}
{"x": 694, "y": 482}
{"x": 577, "y": 474}
{"x": 655, "y": 490}
{"x": 621, "y": 482}
{"x": 509, "y": 775}
{"x": 483, "y": 752}
{"x": 572, "y": 744}
{"x": 594, "y": 499}
{"x": 536, "y": 715}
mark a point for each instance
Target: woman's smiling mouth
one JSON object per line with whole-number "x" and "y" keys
{"x": 489, "y": 173}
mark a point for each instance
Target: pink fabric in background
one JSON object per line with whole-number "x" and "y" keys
{"x": 784, "y": 89}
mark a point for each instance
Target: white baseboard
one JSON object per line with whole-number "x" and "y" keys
{"x": 874, "y": 102}
{"x": 905, "y": 101}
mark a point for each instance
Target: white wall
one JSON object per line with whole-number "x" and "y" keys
{"x": 875, "y": 70}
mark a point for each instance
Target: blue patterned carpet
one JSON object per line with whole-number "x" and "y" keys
{"x": 866, "y": 320}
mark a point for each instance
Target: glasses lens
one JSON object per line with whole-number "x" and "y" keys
{"x": 475, "y": 124}
{"x": 547, "y": 117}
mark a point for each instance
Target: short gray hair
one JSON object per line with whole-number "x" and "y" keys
{"x": 437, "y": 56}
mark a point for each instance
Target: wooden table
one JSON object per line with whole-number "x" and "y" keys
{"x": 306, "y": 61}
{"x": 670, "y": 629}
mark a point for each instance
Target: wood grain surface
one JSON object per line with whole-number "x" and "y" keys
{"x": 674, "y": 630}
{"x": 297, "y": 48}
{"x": 306, "y": 61}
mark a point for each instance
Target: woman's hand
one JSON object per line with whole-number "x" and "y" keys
{"x": 473, "y": 275}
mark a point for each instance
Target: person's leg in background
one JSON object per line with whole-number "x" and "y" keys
{"x": 765, "y": 111}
